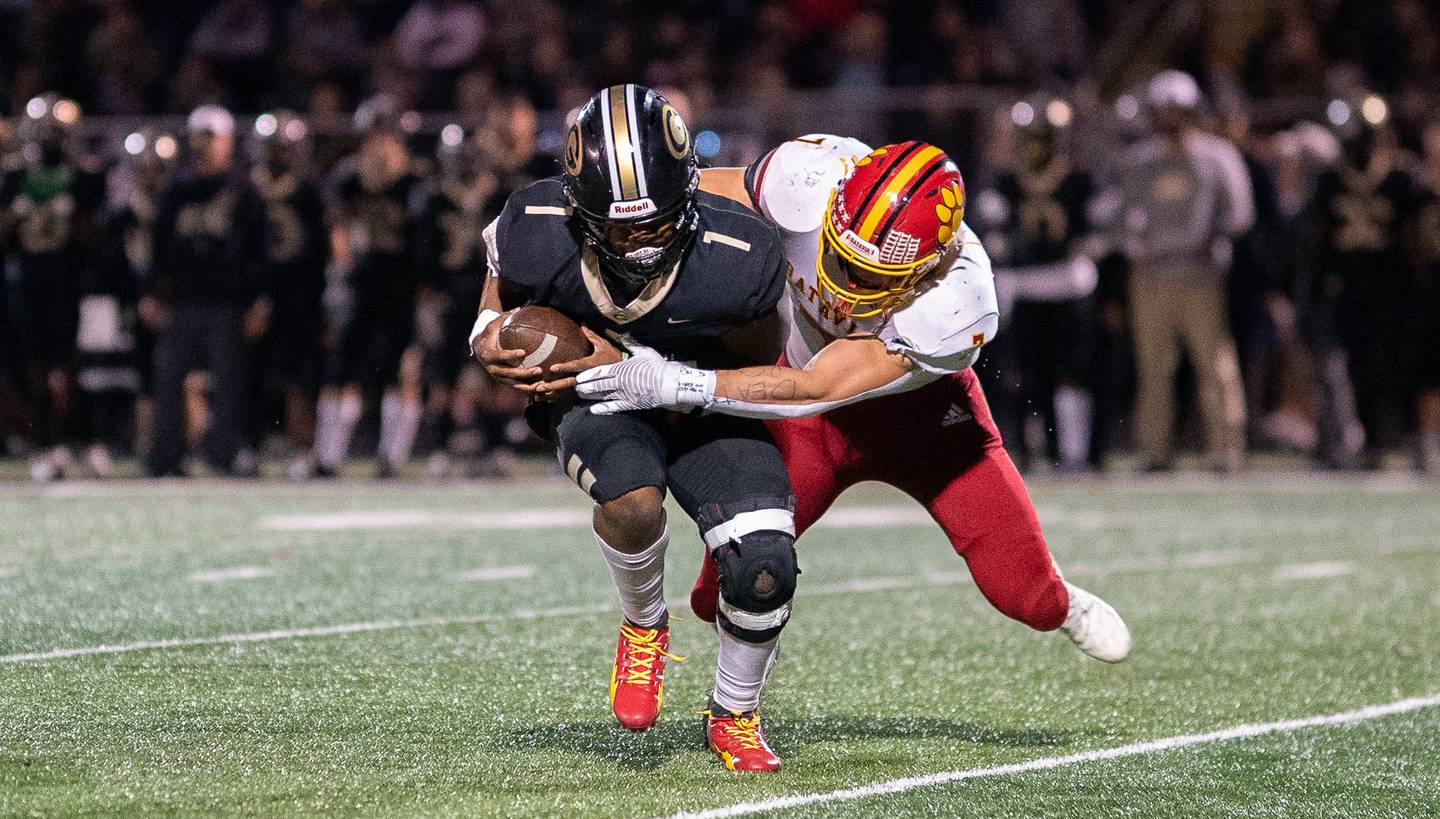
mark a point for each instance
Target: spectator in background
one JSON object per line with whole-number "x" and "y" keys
{"x": 1186, "y": 196}
{"x": 124, "y": 65}
{"x": 236, "y": 39}
{"x": 437, "y": 40}
{"x": 324, "y": 44}
{"x": 1044, "y": 41}
{"x": 205, "y": 296}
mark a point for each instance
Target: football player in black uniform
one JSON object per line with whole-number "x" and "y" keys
{"x": 1364, "y": 278}
{"x": 298, "y": 251}
{"x": 1039, "y": 216}
{"x": 624, "y": 244}
{"x": 467, "y": 413}
{"x": 49, "y": 220}
{"x": 373, "y": 236}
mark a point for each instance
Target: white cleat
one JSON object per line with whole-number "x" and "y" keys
{"x": 1095, "y": 628}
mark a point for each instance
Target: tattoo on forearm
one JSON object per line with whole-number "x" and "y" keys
{"x": 770, "y": 390}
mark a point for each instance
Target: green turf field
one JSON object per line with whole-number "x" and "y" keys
{"x": 394, "y": 650}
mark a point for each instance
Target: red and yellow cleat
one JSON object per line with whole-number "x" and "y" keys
{"x": 637, "y": 681}
{"x": 705, "y": 594}
{"x": 739, "y": 741}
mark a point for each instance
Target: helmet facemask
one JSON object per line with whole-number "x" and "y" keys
{"x": 634, "y": 252}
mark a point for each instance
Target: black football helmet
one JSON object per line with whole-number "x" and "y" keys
{"x": 630, "y": 163}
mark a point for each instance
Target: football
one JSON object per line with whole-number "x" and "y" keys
{"x": 547, "y": 336}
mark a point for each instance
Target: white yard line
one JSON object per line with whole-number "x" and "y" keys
{"x": 495, "y": 573}
{"x": 1314, "y": 571}
{"x": 8, "y": 571}
{"x": 909, "y": 783}
{"x": 233, "y": 573}
{"x": 297, "y": 633}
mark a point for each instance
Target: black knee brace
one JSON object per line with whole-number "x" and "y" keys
{"x": 755, "y": 553}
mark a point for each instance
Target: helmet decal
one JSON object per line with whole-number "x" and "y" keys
{"x": 677, "y": 136}
{"x": 573, "y": 150}
{"x": 950, "y": 210}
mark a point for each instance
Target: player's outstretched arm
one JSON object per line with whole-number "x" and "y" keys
{"x": 848, "y": 370}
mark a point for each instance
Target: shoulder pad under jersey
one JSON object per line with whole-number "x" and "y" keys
{"x": 791, "y": 185}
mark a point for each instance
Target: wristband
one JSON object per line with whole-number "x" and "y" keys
{"x": 486, "y": 316}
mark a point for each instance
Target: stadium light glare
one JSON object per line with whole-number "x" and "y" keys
{"x": 1022, "y": 114}
{"x": 296, "y": 130}
{"x": 1374, "y": 110}
{"x": 36, "y": 108}
{"x": 452, "y": 135}
{"x": 1059, "y": 113}
{"x": 135, "y": 144}
{"x": 707, "y": 144}
{"x": 1337, "y": 112}
{"x": 1127, "y": 107}
{"x": 67, "y": 112}
{"x": 265, "y": 125}
{"x": 166, "y": 147}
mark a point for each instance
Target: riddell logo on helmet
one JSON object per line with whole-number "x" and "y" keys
{"x": 636, "y": 207}
{"x": 860, "y": 246}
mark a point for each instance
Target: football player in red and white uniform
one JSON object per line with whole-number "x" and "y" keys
{"x": 891, "y": 300}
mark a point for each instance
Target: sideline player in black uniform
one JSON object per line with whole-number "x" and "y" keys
{"x": 373, "y": 237}
{"x": 1362, "y": 206}
{"x": 625, "y": 244}
{"x": 298, "y": 251}
{"x": 1040, "y": 219}
{"x": 49, "y": 220}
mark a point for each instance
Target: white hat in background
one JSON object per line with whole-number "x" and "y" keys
{"x": 1173, "y": 89}
{"x": 212, "y": 119}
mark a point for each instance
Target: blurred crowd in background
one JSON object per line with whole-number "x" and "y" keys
{"x": 237, "y": 229}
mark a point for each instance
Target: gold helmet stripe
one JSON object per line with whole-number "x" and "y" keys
{"x": 610, "y": 153}
{"x": 897, "y": 184}
{"x": 630, "y": 114}
{"x": 622, "y": 143}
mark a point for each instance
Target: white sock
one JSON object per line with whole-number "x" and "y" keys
{"x": 337, "y": 444}
{"x": 399, "y": 424}
{"x": 741, "y": 670}
{"x": 640, "y": 580}
{"x": 327, "y": 412}
{"x": 1073, "y": 408}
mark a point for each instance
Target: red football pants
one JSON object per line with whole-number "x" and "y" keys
{"x": 939, "y": 445}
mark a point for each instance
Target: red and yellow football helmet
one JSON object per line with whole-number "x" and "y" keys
{"x": 888, "y": 225}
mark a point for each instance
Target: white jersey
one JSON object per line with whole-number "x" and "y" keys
{"x": 941, "y": 328}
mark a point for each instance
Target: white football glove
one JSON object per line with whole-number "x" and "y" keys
{"x": 645, "y": 380}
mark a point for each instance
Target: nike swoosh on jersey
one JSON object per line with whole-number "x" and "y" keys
{"x": 673, "y": 320}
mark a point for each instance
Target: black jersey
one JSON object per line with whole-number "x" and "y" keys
{"x": 209, "y": 241}
{"x": 1361, "y": 219}
{"x": 297, "y": 243}
{"x": 49, "y": 221}
{"x": 733, "y": 273}
{"x": 1046, "y": 213}
{"x": 379, "y": 218}
{"x": 452, "y": 252}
